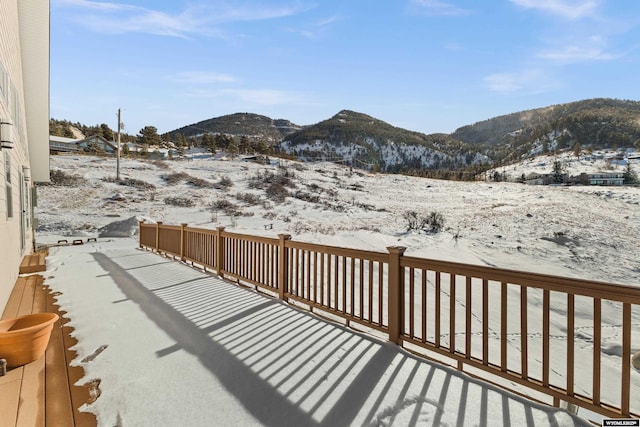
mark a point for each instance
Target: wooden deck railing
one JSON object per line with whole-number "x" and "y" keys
{"x": 569, "y": 339}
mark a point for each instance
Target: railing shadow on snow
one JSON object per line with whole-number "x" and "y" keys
{"x": 289, "y": 367}
{"x": 501, "y": 325}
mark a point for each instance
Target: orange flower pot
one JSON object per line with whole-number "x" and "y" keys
{"x": 24, "y": 339}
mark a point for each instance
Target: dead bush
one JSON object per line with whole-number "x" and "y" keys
{"x": 224, "y": 184}
{"x": 61, "y": 178}
{"x": 179, "y": 201}
{"x": 199, "y": 182}
{"x": 277, "y": 192}
{"x": 266, "y": 179}
{"x": 433, "y": 222}
{"x": 307, "y": 197}
{"x": 248, "y": 198}
{"x": 175, "y": 178}
{"x": 224, "y": 205}
{"x": 131, "y": 182}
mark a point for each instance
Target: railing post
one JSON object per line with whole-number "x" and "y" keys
{"x": 158, "y": 224}
{"x": 140, "y": 232}
{"x": 283, "y": 265}
{"x": 219, "y": 254}
{"x": 394, "y": 295}
{"x": 182, "y": 234}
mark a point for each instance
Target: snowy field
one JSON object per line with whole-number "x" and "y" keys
{"x": 584, "y": 232}
{"x": 580, "y": 231}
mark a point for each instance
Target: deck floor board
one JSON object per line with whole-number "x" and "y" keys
{"x": 42, "y": 393}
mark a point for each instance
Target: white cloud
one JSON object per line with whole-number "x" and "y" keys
{"x": 203, "y": 77}
{"x": 574, "y": 9}
{"x": 587, "y": 49}
{"x": 436, "y": 7}
{"x": 203, "y": 18}
{"x": 572, "y": 54}
{"x": 528, "y": 81}
{"x": 316, "y": 29}
{"x": 95, "y": 5}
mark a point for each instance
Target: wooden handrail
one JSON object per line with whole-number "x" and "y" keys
{"x": 417, "y": 300}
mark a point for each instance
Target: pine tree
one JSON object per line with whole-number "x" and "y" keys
{"x": 148, "y": 135}
{"x": 629, "y": 175}
{"x": 244, "y": 144}
{"x": 106, "y": 132}
{"x": 233, "y": 148}
{"x": 558, "y": 172}
{"x": 209, "y": 143}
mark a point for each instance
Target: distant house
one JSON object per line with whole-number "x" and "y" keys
{"x": 605, "y": 178}
{"x": 94, "y": 143}
{"x": 539, "y": 179}
{"x": 97, "y": 143}
{"x": 60, "y": 144}
{"x": 256, "y": 158}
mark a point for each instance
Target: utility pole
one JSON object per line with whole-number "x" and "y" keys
{"x": 118, "y": 150}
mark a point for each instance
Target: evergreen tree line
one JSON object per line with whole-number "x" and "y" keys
{"x": 148, "y": 138}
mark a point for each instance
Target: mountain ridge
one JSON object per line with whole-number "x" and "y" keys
{"x": 240, "y": 124}
{"x": 367, "y": 142}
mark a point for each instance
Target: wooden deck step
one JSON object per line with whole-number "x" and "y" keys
{"x": 33, "y": 263}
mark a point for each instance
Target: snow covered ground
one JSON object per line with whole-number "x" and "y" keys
{"x": 579, "y": 231}
{"x": 586, "y": 232}
{"x": 173, "y": 346}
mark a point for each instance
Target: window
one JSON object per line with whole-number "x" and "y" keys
{"x": 7, "y": 167}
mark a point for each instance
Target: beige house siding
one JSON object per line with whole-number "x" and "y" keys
{"x": 24, "y": 39}
{"x": 34, "y": 40}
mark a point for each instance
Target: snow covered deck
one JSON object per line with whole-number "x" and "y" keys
{"x": 172, "y": 345}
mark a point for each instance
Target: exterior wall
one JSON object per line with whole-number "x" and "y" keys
{"x": 34, "y": 41}
{"x": 606, "y": 179}
{"x": 16, "y": 237}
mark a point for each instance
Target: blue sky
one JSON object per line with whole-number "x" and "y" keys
{"x": 425, "y": 65}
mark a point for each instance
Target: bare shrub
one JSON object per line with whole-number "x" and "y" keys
{"x": 315, "y": 188}
{"x": 266, "y": 179}
{"x": 433, "y": 222}
{"x": 199, "y": 182}
{"x": 175, "y": 178}
{"x": 224, "y": 205}
{"x": 248, "y": 198}
{"x": 270, "y": 215}
{"x": 413, "y": 222}
{"x": 61, "y": 178}
{"x": 131, "y": 182}
{"x": 307, "y": 197}
{"x": 179, "y": 201}
{"x": 224, "y": 184}
{"x": 334, "y": 207}
{"x": 277, "y": 192}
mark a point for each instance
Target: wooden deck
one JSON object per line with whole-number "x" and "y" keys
{"x": 42, "y": 393}
{"x": 33, "y": 263}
